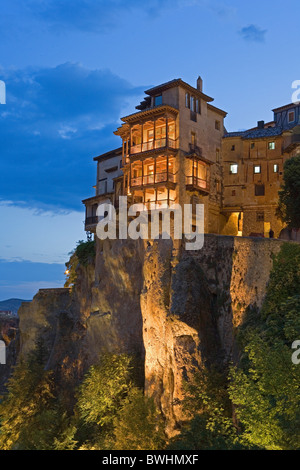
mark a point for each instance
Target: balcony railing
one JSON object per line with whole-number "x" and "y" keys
{"x": 92, "y": 220}
{"x": 159, "y": 204}
{"x": 197, "y": 182}
{"x": 152, "y": 179}
{"x": 153, "y": 144}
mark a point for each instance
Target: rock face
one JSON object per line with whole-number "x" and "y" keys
{"x": 173, "y": 309}
{"x": 8, "y": 334}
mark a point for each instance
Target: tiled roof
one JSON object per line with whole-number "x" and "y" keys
{"x": 234, "y": 134}
{"x": 260, "y": 133}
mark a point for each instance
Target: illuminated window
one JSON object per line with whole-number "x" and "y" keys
{"x": 276, "y": 168}
{"x": 271, "y": 145}
{"x": 233, "y": 169}
{"x": 257, "y": 169}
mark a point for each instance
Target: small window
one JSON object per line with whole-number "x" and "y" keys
{"x": 198, "y": 106}
{"x": 257, "y": 169}
{"x": 218, "y": 155}
{"x": 232, "y": 148}
{"x": 252, "y": 145}
{"x": 158, "y": 100}
{"x": 275, "y": 168}
{"x": 217, "y": 125}
{"x": 291, "y": 116}
{"x": 233, "y": 193}
{"x": 233, "y": 169}
{"x": 260, "y": 216}
{"x": 187, "y": 100}
{"x": 271, "y": 145}
{"x": 259, "y": 190}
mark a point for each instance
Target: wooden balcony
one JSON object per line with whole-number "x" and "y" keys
{"x": 153, "y": 145}
{"x": 193, "y": 182}
{"x": 153, "y": 179}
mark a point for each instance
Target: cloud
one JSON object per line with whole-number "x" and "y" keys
{"x": 90, "y": 15}
{"x": 253, "y": 33}
{"x": 54, "y": 122}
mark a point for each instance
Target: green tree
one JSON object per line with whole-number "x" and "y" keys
{"x": 265, "y": 386}
{"x": 289, "y": 195}
{"x": 266, "y": 391}
{"x": 209, "y": 408}
{"x": 83, "y": 255}
{"x": 100, "y": 398}
{"x": 31, "y": 416}
{"x": 138, "y": 425}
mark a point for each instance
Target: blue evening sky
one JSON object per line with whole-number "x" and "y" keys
{"x": 73, "y": 68}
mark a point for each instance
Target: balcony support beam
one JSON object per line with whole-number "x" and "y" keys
{"x": 166, "y": 131}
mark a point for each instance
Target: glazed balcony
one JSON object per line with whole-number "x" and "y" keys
{"x": 198, "y": 175}
{"x": 158, "y": 133}
{"x": 154, "y": 144}
{"x": 160, "y": 204}
{"x": 153, "y": 179}
{"x": 194, "y": 182}
{"x": 152, "y": 171}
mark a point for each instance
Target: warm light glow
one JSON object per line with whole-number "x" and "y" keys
{"x": 67, "y": 272}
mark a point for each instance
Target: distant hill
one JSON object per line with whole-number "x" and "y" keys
{"x": 12, "y": 304}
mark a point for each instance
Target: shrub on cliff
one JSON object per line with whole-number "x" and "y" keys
{"x": 112, "y": 413}
{"x": 265, "y": 386}
{"x": 138, "y": 424}
{"x": 83, "y": 254}
{"x": 209, "y": 408}
{"x": 289, "y": 195}
{"x": 30, "y": 415}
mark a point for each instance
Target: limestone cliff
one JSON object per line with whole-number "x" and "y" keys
{"x": 175, "y": 310}
{"x": 8, "y": 334}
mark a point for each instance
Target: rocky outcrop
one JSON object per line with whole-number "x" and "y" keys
{"x": 8, "y": 335}
{"x": 175, "y": 310}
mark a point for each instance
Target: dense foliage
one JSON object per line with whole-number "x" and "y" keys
{"x": 83, "y": 254}
{"x": 111, "y": 412}
{"x": 31, "y": 418}
{"x": 289, "y": 195}
{"x": 265, "y": 388}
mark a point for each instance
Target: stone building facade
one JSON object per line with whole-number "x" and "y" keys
{"x": 253, "y": 162}
{"x": 175, "y": 149}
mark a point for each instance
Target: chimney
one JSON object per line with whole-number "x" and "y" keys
{"x": 261, "y": 124}
{"x": 199, "y": 83}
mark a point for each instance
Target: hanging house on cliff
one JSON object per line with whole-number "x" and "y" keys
{"x": 175, "y": 149}
{"x": 170, "y": 153}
